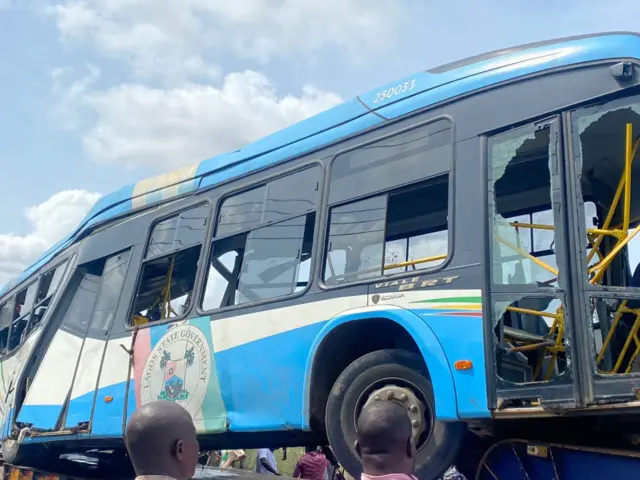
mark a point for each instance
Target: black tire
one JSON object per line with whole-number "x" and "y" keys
{"x": 441, "y": 447}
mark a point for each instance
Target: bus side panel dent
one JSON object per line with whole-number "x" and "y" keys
{"x": 430, "y": 348}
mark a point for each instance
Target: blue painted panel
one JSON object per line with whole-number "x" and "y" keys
{"x": 290, "y": 151}
{"x": 112, "y": 212}
{"x": 427, "y": 341}
{"x": 79, "y": 410}
{"x": 261, "y": 380}
{"x": 326, "y": 120}
{"x": 44, "y": 416}
{"x": 471, "y": 385}
{"x": 108, "y": 417}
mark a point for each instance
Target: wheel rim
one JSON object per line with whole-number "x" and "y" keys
{"x": 409, "y": 396}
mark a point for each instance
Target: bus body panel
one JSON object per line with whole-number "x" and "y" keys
{"x": 111, "y": 395}
{"x": 563, "y": 52}
{"x": 430, "y": 348}
{"x": 83, "y": 392}
{"x": 265, "y": 353}
{"x": 451, "y": 315}
{"x": 177, "y": 362}
{"x": 47, "y": 395}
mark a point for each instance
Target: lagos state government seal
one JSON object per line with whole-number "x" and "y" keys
{"x": 178, "y": 369}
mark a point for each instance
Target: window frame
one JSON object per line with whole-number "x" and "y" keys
{"x": 65, "y": 276}
{"x": 318, "y": 212}
{"x": 11, "y": 301}
{"x": 92, "y": 331}
{"x": 207, "y": 231}
{"x": 553, "y": 122}
{"x": 35, "y": 282}
{"x": 326, "y": 208}
{"x": 571, "y": 116}
{"x": 11, "y": 298}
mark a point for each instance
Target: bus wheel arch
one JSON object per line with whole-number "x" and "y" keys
{"x": 343, "y": 344}
{"x": 348, "y": 337}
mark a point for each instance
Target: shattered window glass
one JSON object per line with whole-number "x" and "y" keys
{"x": 529, "y": 344}
{"x": 600, "y": 148}
{"x": 523, "y": 250}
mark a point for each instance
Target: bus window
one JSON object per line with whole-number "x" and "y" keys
{"x": 259, "y": 252}
{"x": 419, "y": 153}
{"x": 278, "y": 200}
{"x": 529, "y": 326}
{"x": 49, "y": 283}
{"x": 115, "y": 270}
{"x": 168, "y": 273}
{"x": 391, "y": 233}
{"x": 605, "y": 137}
{"x": 6, "y": 314}
{"x": 523, "y": 251}
{"x": 262, "y": 264}
{"x": 24, "y": 303}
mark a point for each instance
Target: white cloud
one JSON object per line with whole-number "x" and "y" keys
{"x": 176, "y": 39}
{"x": 50, "y": 221}
{"x": 139, "y": 125}
{"x": 70, "y": 92}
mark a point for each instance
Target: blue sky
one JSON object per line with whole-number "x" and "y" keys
{"x": 100, "y": 93}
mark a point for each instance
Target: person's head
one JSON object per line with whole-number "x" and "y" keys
{"x": 384, "y": 439}
{"x": 161, "y": 440}
{"x": 310, "y": 449}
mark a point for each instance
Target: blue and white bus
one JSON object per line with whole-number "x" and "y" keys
{"x": 459, "y": 241}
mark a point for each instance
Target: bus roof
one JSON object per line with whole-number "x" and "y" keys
{"x": 416, "y": 91}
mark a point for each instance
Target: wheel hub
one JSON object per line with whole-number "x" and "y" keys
{"x": 411, "y": 403}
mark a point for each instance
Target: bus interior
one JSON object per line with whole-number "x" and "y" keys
{"x": 532, "y": 341}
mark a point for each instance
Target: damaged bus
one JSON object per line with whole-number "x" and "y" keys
{"x": 463, "y": 241}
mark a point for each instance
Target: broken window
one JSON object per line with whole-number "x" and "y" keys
{"x": 22, "y": 313}
{"x": 616, "y": 324}
{"x": 605, "y": 144}
{"x": 262, "y": 264}
{"x": 95, "y": 300}
{"x": 600, "y": 136}
{"x": 263, "y": 242}
{"x": 6, "y": 315}
{"x": 113, "y": 275}
{"x": 530, "y": 332}
{"x": 277, "y": 200}
{"x": 524, "y": 241}
{"x": 165, "y": 288}
{"x": 48, "y": 286}
{"x": 530, "y": 346}
{"x": 396, "y": 232}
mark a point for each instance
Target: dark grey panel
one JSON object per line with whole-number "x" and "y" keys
{"x": 520, "y": 101}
